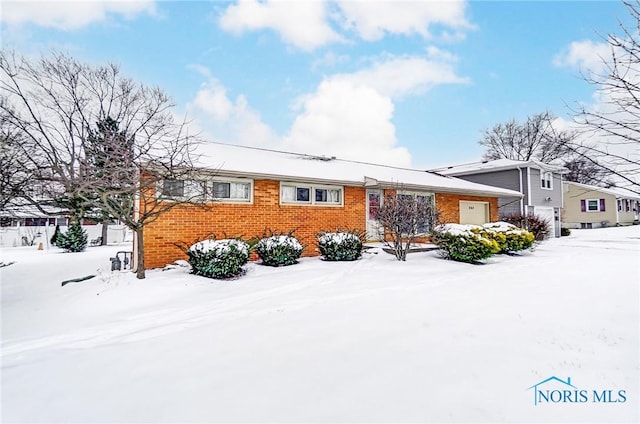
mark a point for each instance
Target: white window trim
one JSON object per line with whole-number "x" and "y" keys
{"x": 208, "y": 195}
{"x": 312, "y": 194}
{"x": 542, "y": 179}
{"x": 587, "y": 205}
{"x": 210, "y": 182}
{"x": 160, "y": 186}
{"x": 420, "y": 193}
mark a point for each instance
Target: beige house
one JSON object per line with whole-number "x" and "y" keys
{"x": 587, "y": 206}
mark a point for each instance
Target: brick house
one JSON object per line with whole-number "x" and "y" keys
{"x": 252, "y": 189}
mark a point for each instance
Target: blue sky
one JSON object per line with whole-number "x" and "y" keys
{"x": 404, "y": 83}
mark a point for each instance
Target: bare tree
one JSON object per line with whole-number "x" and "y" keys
{"x": 535, "y": 139}
{"x": 404, "y": 217}
{"x": 56, "y": 103}
{"x": 15, "y": 176}
{"x": 581, "y": 170}
{"x": 615, "y": 122}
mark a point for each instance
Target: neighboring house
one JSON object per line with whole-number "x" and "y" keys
{"x": 587, "y": 206}
{"x": 541, "y": 185}
{"x": 251, "y": 189}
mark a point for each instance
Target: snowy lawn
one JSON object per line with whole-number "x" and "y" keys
{"x": 368, "y": 341}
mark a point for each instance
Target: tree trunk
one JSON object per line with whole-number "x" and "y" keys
{"x": 139, "y": 254}
{"x": 105, "y": 232}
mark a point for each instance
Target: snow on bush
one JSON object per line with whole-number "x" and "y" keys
{"x": 218, "y": 258}
{"x": 340, "y": 245}
{"x": 279, "y": 250}
{"x": 464, "y": 243}
{"x": 509, "y": 237}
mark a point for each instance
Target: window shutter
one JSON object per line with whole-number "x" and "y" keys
{"x": 583, "y": 205}
{"x": 601, "y": 205}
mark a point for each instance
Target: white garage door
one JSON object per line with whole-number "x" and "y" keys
{"x": 474, "y": 212}
{"x": 546, "y": 213}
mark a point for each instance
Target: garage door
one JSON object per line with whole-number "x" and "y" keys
{"x": 546, "y": 213}
{"x": 474, "y": 212}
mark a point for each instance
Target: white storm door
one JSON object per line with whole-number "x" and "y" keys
{"x": 374, "y": 201}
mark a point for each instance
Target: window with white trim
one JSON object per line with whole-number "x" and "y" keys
{"x": 222, "y": 190}
{"x": 182, "y": 189}
{"x": 593, "y": 205}
{"x": 232, "y": 190}
{"x": 546, "y": 180}
{"x": 311, "y": 194}
{"x": 421, "y": 197}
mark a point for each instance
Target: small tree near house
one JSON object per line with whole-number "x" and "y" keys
{"x": 405, "y": 217}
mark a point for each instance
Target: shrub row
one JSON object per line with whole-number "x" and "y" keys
{"x": 224, "y": 258}
{"x": 474, "y": 243}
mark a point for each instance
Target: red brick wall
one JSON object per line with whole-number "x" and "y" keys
{"x": 189, "y": 223}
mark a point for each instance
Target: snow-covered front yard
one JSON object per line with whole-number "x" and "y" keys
{"x": 368, "y": 341}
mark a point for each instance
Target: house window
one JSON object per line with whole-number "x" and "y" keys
{"x": 421, "y": 198}
{"x": 592, "y": 205}
{"x": 307, "y": 194}
{"x": 231, "y": 190}
{"x": 172, "y": 188}
{"x": 546, "y": 180}
{"x": 627, "y": 205}
{"x": 619, "y": 205}
{"x": 188, "y": 190}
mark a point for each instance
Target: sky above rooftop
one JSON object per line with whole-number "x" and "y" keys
{"x": 401, "y": 83}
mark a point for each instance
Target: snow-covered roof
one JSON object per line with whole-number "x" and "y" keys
{"x": 618, "y": 192}
{"x": 25, "y": 210}
{"x": 496, "y": 165}
{"x": 233, "y": 160}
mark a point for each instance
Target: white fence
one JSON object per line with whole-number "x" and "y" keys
{"x": 33, "y": 236}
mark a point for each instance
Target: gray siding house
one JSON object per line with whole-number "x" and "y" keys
{"x": 540, "y": 183}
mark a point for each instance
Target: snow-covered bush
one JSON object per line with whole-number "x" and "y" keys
{"x": 279, "y": 250}
{"x": 540, "y": 227}
{"x": 509, "y": 237}
{"x": 464, "y": 243}
{"x": 218, "y": 258}
{"x": 74, "y": 239}
{"x": 340, "y": 245}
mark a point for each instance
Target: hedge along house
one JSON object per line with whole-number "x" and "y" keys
{"x": 540, "y": 184}
{"x": 249, "y": 190}
{"x": 588, "y": 206}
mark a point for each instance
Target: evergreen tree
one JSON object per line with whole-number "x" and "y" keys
{"x": 74, "y": 240}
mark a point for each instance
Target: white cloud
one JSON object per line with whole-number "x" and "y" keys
{"x": 69, "y": 15}
{"x": 347, "y": 120}
{"x": 302, "y": 24}
{"x": 585, "y": 55}
{"x": 372, "y": 20}
{"x": 349, "y": 115}
{"x": 308, "y": 24}
{"x": 397, "y": 77}
{"x": 226, "y": 120}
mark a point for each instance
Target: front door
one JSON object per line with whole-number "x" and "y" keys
{"x": 374, "y": 201}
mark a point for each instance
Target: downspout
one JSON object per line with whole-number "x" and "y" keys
{"x": 520, "y": 184}
{"x": 528, "y": 188}
{"x": 136, "y": 217}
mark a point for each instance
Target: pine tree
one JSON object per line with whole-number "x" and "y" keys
{"x": 74, "y": 240}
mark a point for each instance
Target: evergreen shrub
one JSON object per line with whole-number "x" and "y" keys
{"x": 74, "y": 240}
{"x": 279, "y": 250}
{"x": 340, "y": 245}
{"x": 464, "y": 243}
{"x": 218, "y": 259}
{"x": 509, "y": 237}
